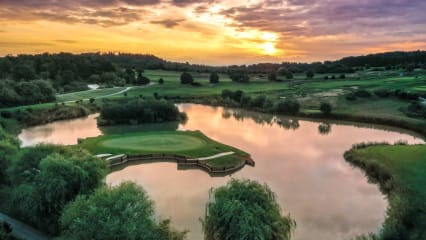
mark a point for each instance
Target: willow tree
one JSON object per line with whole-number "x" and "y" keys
{"x": 122, "y": 212}
{"x": 244, "y": 209}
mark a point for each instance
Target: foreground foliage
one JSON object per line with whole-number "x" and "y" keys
{"x": 123, "y": 212}
{"x": 245, "y": 209}
{"x": 400, "y": 172}
{"x": 44, "y": 179}
{"x": 8, "y": 148}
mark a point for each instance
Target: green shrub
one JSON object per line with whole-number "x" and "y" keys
{"x": 351, "y": 97}
{"x": 326, "y": 108}
{"x": 362, "y": 93}
{"x": 287, "y": 107}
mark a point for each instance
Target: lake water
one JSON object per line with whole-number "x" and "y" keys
{"x": 301, "y": 160}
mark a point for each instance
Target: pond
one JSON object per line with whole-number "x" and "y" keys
{"x": 301, "y": 160}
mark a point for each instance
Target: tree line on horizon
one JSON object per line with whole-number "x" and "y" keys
{"x": 30, "y": 79}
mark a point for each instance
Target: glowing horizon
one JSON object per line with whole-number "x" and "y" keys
{"x": 215, "y": 32}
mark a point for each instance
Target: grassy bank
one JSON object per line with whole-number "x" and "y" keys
{"x": 14, "y": 120}
{"x": 400, "y": 171}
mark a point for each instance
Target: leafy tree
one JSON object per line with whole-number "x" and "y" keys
{"x": 272, "y": 76}
{"x": 289, "y": 75}
{"x": 8, "y": 148}
{"x": 282, "y": 71}
{"x": 287, "y": 107}
{"x": 142, "y": 80}
{"x": 95, "y": 78}
{"x": 142, "y": 111}
{"x": 123, "y": 212}
{"x": 258, "y": 101}
{"x": 244, "y": 209}
{"x": 8, "y": 95}
{"x": 226, "y": 93}
{"x": 245, "y": 101}
{"x": 214, "y": 78}
{"x": 186, "y": 78}
{"x": 326, "y": 108}
{"x": 46, "y": 178}
{"x": 362, "y": 93}
{"x": 239, "y": 76}
{"x": 161, "y": 81}
{"x": 236, "y": 96}
{"x": 310, "y": 74}
{"x": 23, "y": 72}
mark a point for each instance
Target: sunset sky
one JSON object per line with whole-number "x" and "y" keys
{"x": 214, "y": 31}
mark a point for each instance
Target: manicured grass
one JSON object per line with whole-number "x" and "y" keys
{"x": 401, "y": 172}
{"x": 407, "y": 164}
{"x": 166, "y": 142}
{"x": 226, "y": 161}
{"x": 174, "y": 89}
{"x": 188, "y": 143}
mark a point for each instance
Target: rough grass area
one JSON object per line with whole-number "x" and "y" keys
{"x": 188, "y": 143}
{"x": 400, "y": 171}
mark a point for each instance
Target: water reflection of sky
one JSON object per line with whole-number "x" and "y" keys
{"x": 61, "y": 132}
{"x": 326, "y": 196}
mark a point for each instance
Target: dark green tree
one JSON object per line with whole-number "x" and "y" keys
{"x": 287, "y": 106}
{"x": 326, "y": 108}
{"x": 8, "y": 149}
{"x": 186, "y": 78}
{"x": 310, "y": 74}
{"x": 239, "y": 76}
{"x": 244, "y": 209}
{"x": 272, "y": 76}
{"x": 214, "y": 78}
{"x": 46, "y": 178}
{"x": 123, "y": 212}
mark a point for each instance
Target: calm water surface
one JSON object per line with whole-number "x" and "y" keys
{"x": 302, "y": 164}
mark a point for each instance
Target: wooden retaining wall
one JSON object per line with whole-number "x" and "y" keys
{"x": 180, "y": 160}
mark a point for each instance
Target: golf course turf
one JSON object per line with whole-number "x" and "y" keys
{"x": 191, "y": 144}
{"x": 400, "y": 172}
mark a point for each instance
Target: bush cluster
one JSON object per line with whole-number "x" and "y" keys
{"x": 139, "y": 111}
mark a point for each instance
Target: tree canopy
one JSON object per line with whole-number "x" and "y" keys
{"x": 139, "y": 111}
{"x": 9, "y": 146}
{"x": 186, "y": 78}
{"x": 214, "y": 77}
{"x": 245, "y": 209}
{"x": 122, "y": 212}
{"x": 45, "y": 178}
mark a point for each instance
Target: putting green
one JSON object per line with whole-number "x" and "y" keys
{"x": 187, "y": 143}
{"x": 159, "y": 142}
